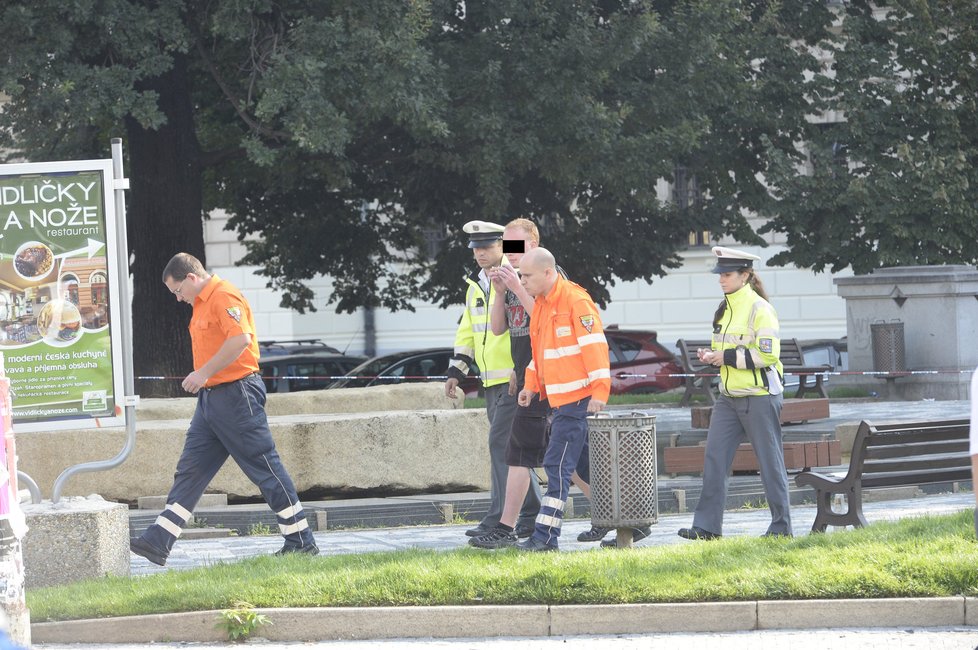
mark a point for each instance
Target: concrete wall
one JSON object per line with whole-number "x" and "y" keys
{"x": 423, "y": 450}
{"x": 939, "y": 313}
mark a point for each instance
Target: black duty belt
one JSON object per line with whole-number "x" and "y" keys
{"x": 229, "y": 383}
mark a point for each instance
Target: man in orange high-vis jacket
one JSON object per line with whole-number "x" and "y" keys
{"x": 570, "y": 367}
{"x": 229, "y": 419}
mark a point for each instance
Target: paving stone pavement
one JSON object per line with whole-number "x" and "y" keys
{"x": 195, "y": 553}
{"x": 192, "y": 553}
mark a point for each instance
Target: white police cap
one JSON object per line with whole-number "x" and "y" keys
{"x": 483, "y": 233}
{"x": 731, "y": 259}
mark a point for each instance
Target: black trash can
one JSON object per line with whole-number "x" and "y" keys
{"x": 623, "y": 472}
{"x": 889, "y": 353}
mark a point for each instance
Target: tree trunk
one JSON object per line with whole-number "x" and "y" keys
{"x": 164, "y": 218}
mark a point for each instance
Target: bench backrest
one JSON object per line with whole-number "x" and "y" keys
{"x": 911, "y": 453}
{"x": 791, "y": 354}
{"x": 690, "y": 361}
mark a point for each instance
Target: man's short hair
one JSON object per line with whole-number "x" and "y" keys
{"x": 182, "y": 264}
{"x": 528, "y": 226}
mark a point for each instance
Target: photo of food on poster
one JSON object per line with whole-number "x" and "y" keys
{"x": 55, "y": 316}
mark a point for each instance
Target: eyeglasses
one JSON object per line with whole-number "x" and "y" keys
{"x": 179, "y": 290}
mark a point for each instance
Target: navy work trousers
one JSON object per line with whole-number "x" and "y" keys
{"x": 230, "y": 421}
{"x": 568, "y": 437}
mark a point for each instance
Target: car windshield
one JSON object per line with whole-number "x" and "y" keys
{"x": 365, "y": 372}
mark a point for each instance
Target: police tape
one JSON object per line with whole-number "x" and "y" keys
{"x": 823, "y": 373}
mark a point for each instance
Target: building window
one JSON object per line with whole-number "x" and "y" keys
{"x": 686, "y": 194}
{"x": 100, "y": 289}
{"x": 434, "y": 239}
{"x": 830, "y": 152}
{"x": 700, "y": 238}
{"x": 69, "y": 287}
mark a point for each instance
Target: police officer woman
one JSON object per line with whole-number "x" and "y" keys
{"x": 746, "y": 347}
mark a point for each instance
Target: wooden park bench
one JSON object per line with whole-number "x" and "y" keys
{"x": 810, "y": 378}
{"x": 701, "y": 379}
{"x": 887, "y": 455}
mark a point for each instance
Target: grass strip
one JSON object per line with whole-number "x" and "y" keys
{"x": 918, "y": 557}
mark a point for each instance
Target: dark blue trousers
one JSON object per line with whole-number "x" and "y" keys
{"x": 230, "y": 421}
{"x": 568, "y": 437}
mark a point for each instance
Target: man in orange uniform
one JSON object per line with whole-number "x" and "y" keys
{"x": 571, "y": 368}
{"x": 230, "y": 416}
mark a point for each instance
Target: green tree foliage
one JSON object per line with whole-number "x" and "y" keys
{"x": 896, "y": 182}
{"x": 341, "y": 136}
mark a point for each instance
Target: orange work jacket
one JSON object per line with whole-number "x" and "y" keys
{"x": 570, "y": 354}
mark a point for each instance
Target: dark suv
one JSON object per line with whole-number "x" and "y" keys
{"x": 270, "y": 348}
{"x": 412, "y": 366}
{"x": 637, "y": 352}
{"x": 315, "y": 369}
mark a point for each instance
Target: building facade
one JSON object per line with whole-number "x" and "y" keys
{"x": 679, "y": 305}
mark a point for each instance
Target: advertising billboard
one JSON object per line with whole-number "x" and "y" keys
{"x": 59, "y": 295}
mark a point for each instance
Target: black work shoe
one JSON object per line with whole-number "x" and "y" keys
{"x": 638, "y": 534}
{"x": 524, "y": 530}
{"x": 595, "y": 534}
{"x": 771, "y": 534}
{"x": 535, "y": 545}
{"x": 308, "y": 549}
{"x": 695, "y": 532}
{"x": 478, "y": 531}
{"x": 142, "y": 548}
{"x": 496, "y": 538}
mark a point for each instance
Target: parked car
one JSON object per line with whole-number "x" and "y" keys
{"x": 834, "y": 352}
{"x": 315, "y": 369}
{"x": 269, "y": 348}
{"x": 638, "y": 352}
{"x": 410, "y": 366}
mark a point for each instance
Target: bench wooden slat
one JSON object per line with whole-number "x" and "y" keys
{"x": 916, "y": 450}
{"x": 919, "y": 426}
{"x": 692, "y": 365}
{"x": 810, "y": 378}
{"x": 797, "y": 455}
{"x": 892, "y": 479}
{"x": 914, "y": 436}
{"x": 792, "y": 410}
{"x": 892, "y": 454}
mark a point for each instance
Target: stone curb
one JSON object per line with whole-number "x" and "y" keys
{"x": 345, "y": 623}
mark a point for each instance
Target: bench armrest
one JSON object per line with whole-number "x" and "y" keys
{"x": 825, "y": 482}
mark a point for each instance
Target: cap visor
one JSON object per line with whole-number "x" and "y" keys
{"x": 727, "y": 267}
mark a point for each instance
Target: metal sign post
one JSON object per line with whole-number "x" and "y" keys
{"x": 119, "y": 185}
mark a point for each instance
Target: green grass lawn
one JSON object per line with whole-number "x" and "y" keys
{"x": 926, "y": 556}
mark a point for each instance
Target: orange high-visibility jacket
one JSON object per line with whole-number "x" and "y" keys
{"x": 570, "y": 354}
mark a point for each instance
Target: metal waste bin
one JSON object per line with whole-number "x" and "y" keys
{"x": 623, "y": 471}
{"x": 889, "y": 354}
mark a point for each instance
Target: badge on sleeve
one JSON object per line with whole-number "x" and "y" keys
{"x": 766, "y": 345}
{"x": 588, "y": 322}
{"x": 235, "y": 313}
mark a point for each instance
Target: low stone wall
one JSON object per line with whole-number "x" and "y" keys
{"x": 75, "y": 539}
{"x": 338, "y": 400}
{"x": 416, "y": 451}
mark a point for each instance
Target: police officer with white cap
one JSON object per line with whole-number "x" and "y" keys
{"x": 475, "y": 342}
{"x": 746, "y": 347}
